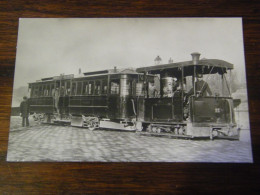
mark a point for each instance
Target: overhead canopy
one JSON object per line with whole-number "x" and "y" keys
{"x": 204, "y": 66}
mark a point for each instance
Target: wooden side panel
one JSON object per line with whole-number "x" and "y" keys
{"x": 163, "y": 109}
{"x": 212, "y": 110}
{"x": 41, "y": 105}
{"x": 88, "y": 105}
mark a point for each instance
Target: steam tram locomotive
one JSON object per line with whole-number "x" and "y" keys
{"x": 158, "y": 100}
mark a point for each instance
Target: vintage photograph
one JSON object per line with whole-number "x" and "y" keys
{"x": 130, "y": 90}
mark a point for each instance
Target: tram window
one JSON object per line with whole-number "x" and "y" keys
{"x": 114, "y": 87}
{"x": 52, "y": 90}
{"x": 79, "y": 87}
{"x": 188, "y": 84}
{"x": 104, "y": 87}
{"x": 43, "y": 90}
{"x": 36, "y": 91}
{"x": 73, "y": 89}
{"x": 85, "y": 88}
{"x": 97, "y": 87}
{"x": 47, "y": 90}
{"x": 40, "y": 91}
{"x": 91, "y": 87}
{"x": 32, "y": 91}
{"x": 29, "y": 91}
{"x": 139, "y": 89}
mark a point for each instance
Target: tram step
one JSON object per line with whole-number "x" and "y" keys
{"x": 168, "y": 135}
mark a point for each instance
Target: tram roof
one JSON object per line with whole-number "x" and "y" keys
{"x": 111, "y": 71}
{"x": 220, "y": 66}
{"x": 88, "y": 75}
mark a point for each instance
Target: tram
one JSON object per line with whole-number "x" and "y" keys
{"x": 186, "y": 111}
{"x": 101, "y": 99}
{"x": 160, "y": 100}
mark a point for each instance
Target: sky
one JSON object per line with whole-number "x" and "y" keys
{"x": 50, "y": 47}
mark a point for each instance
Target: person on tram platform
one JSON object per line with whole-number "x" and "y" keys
{"x": 56, "y": 98}
{"x": 171, "y": 88}
{"x": 202, "y": 88}
{"x": 152, "y": 90}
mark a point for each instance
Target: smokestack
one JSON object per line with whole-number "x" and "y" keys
{"x": 115, "y": 70}
{"x": 195, "y": 58}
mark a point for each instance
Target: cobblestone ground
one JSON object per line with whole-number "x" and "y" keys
{"x": 61, "y": 143}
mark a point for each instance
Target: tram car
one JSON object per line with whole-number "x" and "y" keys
{"x": 101, "y": 99}
{"x": 186, "y": 106}
{"x": 160, "y": 100}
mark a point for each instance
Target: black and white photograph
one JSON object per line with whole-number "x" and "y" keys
{"x": 130, "y": 90}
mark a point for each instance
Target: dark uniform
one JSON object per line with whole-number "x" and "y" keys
{"x": 24, "y": 110}
{"x": 202, "y": 88}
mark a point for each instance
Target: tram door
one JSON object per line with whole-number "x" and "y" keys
{"x": 121, "y": 103}
{"x": 114, "y": 98}
{"x": 64, "y": 96}
{"x": 61, "y": 98}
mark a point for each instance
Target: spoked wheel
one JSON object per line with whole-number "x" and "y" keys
{"x": 93, "y": 125}
{"x": 149, "y": 128}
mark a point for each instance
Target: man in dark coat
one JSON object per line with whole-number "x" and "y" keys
{"x": 24, "y": 110}
{"x": 202, "y": 87}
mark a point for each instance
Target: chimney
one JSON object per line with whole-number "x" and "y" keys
{"x": 115, "y": 70}
{"x": 195, "y": 58}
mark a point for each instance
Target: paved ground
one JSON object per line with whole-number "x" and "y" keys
{"x": 57, "y": 143}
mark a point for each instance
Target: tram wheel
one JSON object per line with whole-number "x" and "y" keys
{"x": 91, "y": 128}
{"x": 93, "y": 125}
{"x": 149, "y": 128}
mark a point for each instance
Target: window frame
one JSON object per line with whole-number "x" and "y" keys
{"x": 79, "y": 83}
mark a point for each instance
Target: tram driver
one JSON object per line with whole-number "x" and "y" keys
{"x": 202, "y": 90}
{"x": 201, "y": 86}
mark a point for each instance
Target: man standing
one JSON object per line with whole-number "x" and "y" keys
{"x": 24, "y": 110}
{"x": 201, "y": 87}
{"x": 57, "y": 98}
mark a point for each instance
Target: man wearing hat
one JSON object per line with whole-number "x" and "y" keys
{"x": 24, "y": 110}
{"x": 201, "y": 87}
